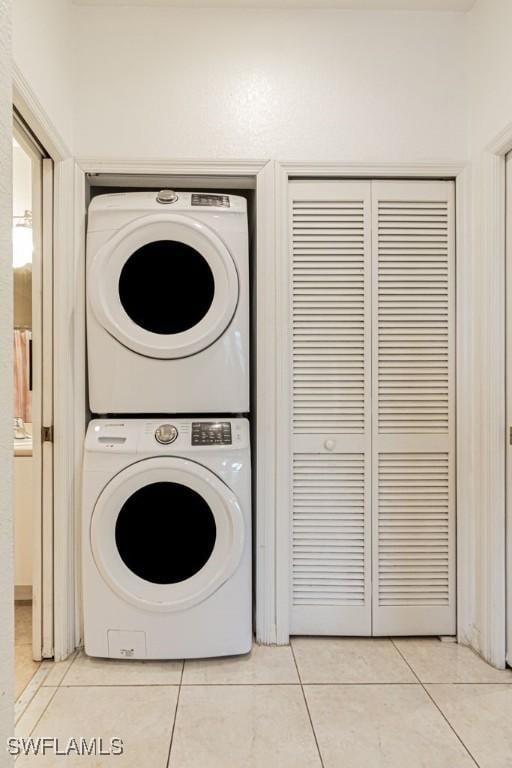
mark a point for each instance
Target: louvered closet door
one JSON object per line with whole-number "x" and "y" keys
{"x": 413, "y": 457}
{"x": 331, "y": 431}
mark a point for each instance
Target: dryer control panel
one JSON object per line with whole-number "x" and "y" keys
{"x": 211, "y": 433}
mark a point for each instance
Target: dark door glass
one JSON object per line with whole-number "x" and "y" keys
{"x": 166, "y": 287}
{"x": 165, "y": 533}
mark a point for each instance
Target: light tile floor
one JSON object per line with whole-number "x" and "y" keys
{"x": 320, "y": 703}
{"x": 25, "y": 666}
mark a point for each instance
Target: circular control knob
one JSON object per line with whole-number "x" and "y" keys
{"x": 166, "y": 196}
{"x": 329, "y": 445}
{"x": 166, "y": 433}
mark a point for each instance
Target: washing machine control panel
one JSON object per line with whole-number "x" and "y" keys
{"x": 166, "y": 434}
{"x": 159, "y": 437}
{"x": 211, "y": 433}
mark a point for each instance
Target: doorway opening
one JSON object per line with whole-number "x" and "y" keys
{"x": 32, "y": 261}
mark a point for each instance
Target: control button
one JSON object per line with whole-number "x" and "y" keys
{"x": 166, "y": 196}
{"x": 166, "y": 433}
{"x": 329, "y": 445}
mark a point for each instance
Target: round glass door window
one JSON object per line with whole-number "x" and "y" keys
{"x": 166, "y": 287}
{"x": 165, "y": 533}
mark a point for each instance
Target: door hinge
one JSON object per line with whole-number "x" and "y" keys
{"x": 47, "y": 434}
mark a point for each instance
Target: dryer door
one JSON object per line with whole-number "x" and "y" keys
{"x": 165, "y": 286}
{"x": 166, "y": 533}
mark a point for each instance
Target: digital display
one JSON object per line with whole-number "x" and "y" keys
{"x": 211, "y": 433}
{"x": 217, "y": 201}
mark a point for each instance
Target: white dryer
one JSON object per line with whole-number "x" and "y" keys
{"x": 166, "y": 539}
{"x": 168, "y": 303}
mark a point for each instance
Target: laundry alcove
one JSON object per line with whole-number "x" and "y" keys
{"x": 246, "y": 180}
{"x": 267, "y": 187}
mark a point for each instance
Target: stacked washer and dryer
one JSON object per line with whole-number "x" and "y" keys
{"x": 166, "y": 518}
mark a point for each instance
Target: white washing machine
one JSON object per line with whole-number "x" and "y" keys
{"x": 166, "y": 538}
{"x": 168, "y": 303}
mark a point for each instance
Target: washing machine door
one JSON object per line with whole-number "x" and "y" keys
{"x": 166, "y": 533}
{"x": 165, "y": 286}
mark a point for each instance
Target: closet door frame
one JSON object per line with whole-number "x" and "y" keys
{"x": 42, "y": 173}
{"x": 466, "y": 538}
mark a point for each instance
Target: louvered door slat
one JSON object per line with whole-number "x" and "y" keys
{"x": 329, "y": 271}
{"x": 413, "y": 404}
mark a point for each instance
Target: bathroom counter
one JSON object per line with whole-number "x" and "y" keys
{"x": 23, "y": 446}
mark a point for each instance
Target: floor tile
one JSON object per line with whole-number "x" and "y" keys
{"x": 264, "y": 665}
{"x": 33, "y": 712}
{"x": 482, "y": 717}
{"x": 23, "y": 624}
{"x": 24, "y": 699}
{"x": 25, "y": 667}
{"x": 89, "y": 671}
{"x": 382, "y": 726}
{"x": 437, "y": 662}
{"x": 141, "y": 716}
{"x": 349, "y": 660}
{"x": 237, "y": 726}
{"x": 57, "y": 671}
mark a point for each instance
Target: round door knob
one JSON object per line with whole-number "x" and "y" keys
{"x": 166, "y": 196}
{"x": 329, "y": 445}
{"x": 166, "y": 433}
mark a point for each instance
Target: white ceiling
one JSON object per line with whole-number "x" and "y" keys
{"x": 381, "y": 5}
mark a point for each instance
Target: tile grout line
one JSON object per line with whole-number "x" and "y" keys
{"x": 36, "y": 683}
{"x": 168, "y": 764}
{"x": 55, "y": 689}
{"x": 307, "y": 706}
{"x": 45, "y": 708}
{"x": 228, "y": 685}
{"x": 434, "y": 702}
{"x": 78, "y": 652}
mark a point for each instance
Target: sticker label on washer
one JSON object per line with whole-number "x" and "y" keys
{"x": 218, "y": 201}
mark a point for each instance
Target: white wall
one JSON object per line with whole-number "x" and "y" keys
{"x": 6, "y": 516}
{"x": 490, "y": 69}
{"x": 292, "y": 85}
{"x": 42, "y": 44}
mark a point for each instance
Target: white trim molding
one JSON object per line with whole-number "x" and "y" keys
{"x": 465, "y": 368}
{"x": 164, "y": 167}
{"x": 32, "y": 111}
{"x": 372, "y": 170}
{"x": 508, "y": 405}
{"x": 490, "y": 252}
{"x": 66, "y": 471}
{"x": 79, "y": 388}
{"x": 491, "y": 454}
{"x": 39, "y": 123}
{"x": 466, "y": 407}
{"x": 264, "y": 470}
